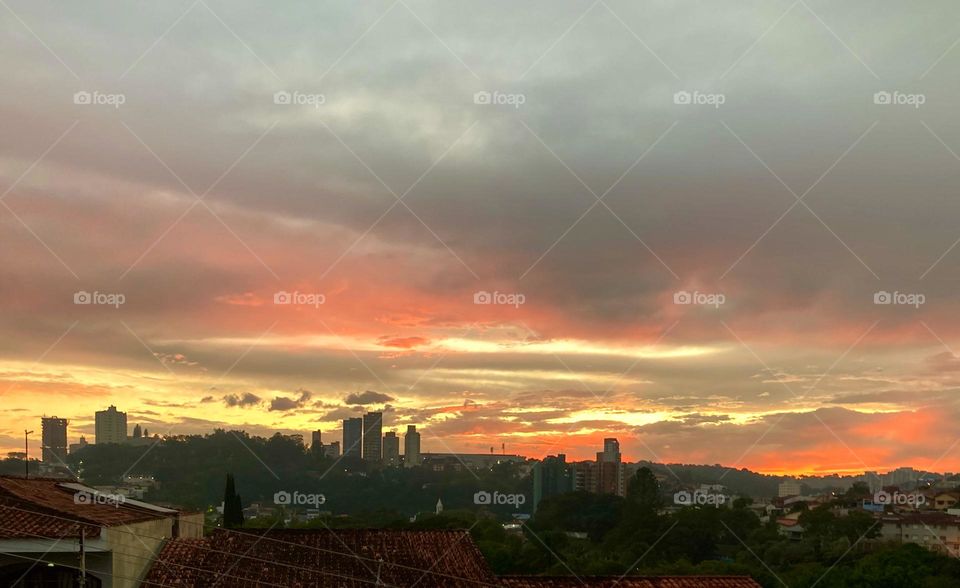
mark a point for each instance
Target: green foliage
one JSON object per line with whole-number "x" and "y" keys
{"x": 582, "y": 512}
{"x": 232, "y": 506}
{"x": 190, "y": 471}
{"x": 577, "y": 532}
{"x": 629, "y": 536}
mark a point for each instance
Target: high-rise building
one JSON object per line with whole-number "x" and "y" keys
{"x": 788, "y": 488}
{"x": 391, "y": 449}
{"x": 137, "y": 432}
{"x": 352, "y": 437}
{"x": 316, "y": 445}
{"x": 611, "y": 449}
{"x": 54, "y": 439}
{"x": 332, "y": 450}
{"x": 411, "y": 447}
{"x": 372, "y": 436}
{"x": 610, "y": 470}
{"x": 584, "y": 476}
{"x": 111, "y": 426}
{"x": 551, "y": 477}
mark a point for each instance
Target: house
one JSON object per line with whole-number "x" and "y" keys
{"x": 48, "y": 520}
{"x": 944, "y": 500}
{"x": 789, "y": 526}
{"x": 937, "y": 531}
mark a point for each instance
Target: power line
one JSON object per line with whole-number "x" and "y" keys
{"x": 184, "y": 566}
{"x": 264, "y": 537}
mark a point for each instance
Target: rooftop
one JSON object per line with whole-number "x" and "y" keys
{"x": 300, "y": 558}
{"x": 48, "y": 507}
{"x": 629, "y": 582}
{"x": 308, "y": 557}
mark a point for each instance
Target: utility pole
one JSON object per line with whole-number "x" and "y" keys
{"x": 83, "y": 562}
{"x": 26, "y": 453}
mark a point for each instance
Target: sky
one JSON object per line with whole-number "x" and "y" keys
{"x": 720, "y": 232}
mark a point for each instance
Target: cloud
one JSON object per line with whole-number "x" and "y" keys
{"x": 403, "y": 342}
{"x": 281, "y": 403}
{"x": 944, "y": 362}
{"x": 339, "y": 414}
{"x": 175, "y": 359}
{"x": 367, "y": 397}
{"x": 498, "y": 205}
{"x": 247, "y": 399}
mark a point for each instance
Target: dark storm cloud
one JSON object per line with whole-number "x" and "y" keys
{"x": 243, "y": 401}
{"x": 367, "y": 397}
{"x": 281, "y": 403}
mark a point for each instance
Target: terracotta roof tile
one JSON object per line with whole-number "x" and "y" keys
{"x": 629, "y": 582}
{"x": 301, "y": 558}
{"x": 17, "y": 522}
{"x": 39, "y": 506}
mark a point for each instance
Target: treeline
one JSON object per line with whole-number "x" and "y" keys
{"x": 190, "y": 472}
{"x": 587, "y": 534}
{"x": 740, "y": 481}
{"x": 637, "y": 535}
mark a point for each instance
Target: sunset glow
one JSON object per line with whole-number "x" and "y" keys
{"x": 598, "y": 261}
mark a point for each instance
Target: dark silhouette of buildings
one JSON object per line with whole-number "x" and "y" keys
{"x": 551, "y": 477}
{"x": 54, "y": 439}
{"x": 391, "y": 449}
{"x": 411, "y": 447}
{"x": 373, "y": 437}
{"x": 610, "y": 471}
{"x": 352, "y": 437}
{"x": 606, "y": 475}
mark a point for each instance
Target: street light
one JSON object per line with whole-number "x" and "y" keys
{"x": 26, "y": 453}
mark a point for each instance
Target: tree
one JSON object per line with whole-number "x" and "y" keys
{"x": 232, "y": 507}
{"x": 643, "y": 491}
{"x": 857, "y": 493}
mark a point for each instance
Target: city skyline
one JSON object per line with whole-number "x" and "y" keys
{"x": 593, "y": 478}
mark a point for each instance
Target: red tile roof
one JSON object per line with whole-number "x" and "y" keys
{"x": 301, "y": 558}
{"x": 307, "y": 557}
{"x": 629, "y": 582}
{"x": 17, "y": 522}
{"x": 44, "y": 507}
{"x": 921, "y": 518}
